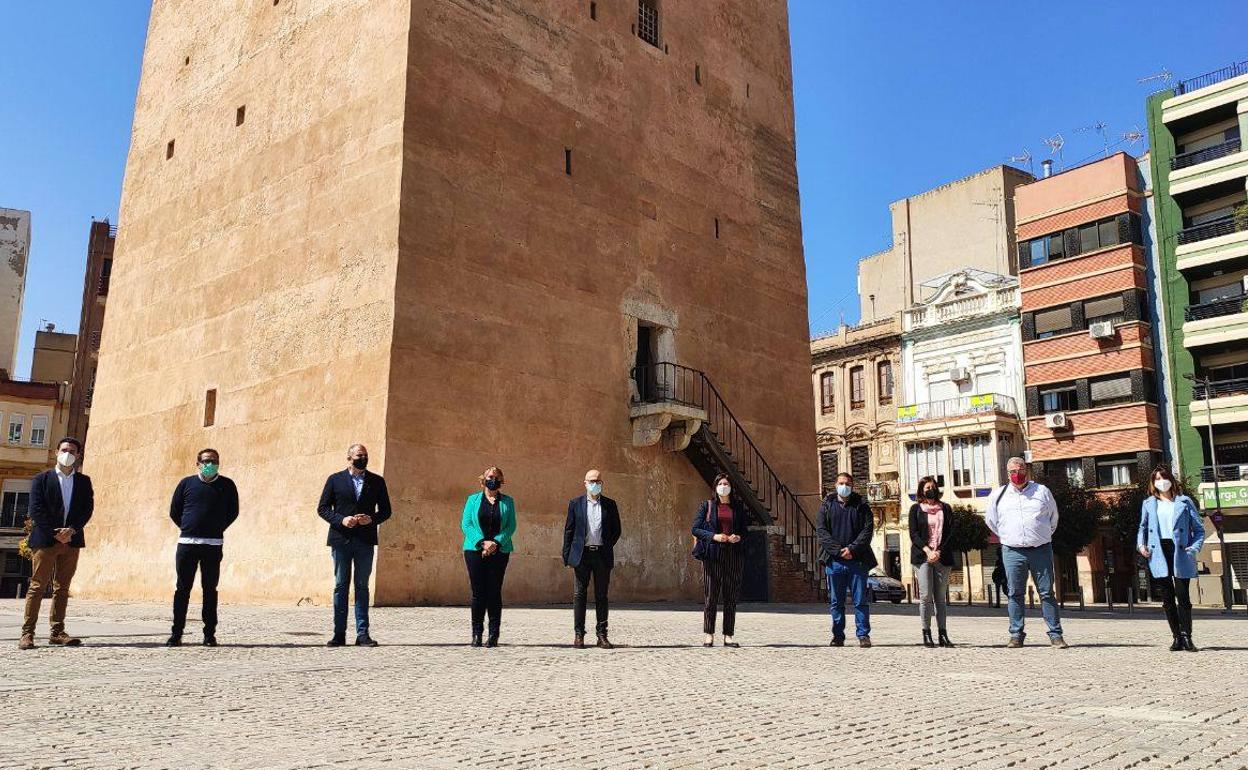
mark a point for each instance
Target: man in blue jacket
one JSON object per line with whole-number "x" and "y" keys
{"x": 845, "y": 528}
{"x": 203, "y": 507}
{"x": 61, "y": 503}
{"x": 354, "y": 502}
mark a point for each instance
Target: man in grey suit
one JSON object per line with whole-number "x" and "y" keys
{"x": 589, "y": 538}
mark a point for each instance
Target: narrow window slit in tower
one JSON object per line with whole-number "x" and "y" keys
{"x": 567, "y": 161}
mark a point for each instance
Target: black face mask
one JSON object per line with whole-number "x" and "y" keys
{"x": 931, "y": 493}
{"x": 360, "y": 463}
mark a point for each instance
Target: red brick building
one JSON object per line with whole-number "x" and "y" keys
{"x": 1088, "y": 356}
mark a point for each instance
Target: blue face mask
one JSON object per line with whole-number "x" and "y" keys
{"x": 843, "y": 490}
{"x": 492, "y": 484}
{"x": 595, "y": 488}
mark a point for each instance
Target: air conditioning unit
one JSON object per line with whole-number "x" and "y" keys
{"x": 1055, "y": 420}
{"x": 959, "y": 374}
{"x": 1101, "y": 330}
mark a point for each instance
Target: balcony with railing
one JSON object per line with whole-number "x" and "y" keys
{"x": 1215, "y": 229}
{"x": 1217, "y": 308}
{"x": 1220, "y": 389}
{"x": 963, "y": 406}
{"x": 969, "y": 306}
{"x": 1211, "y": 78}
{"x": 1189, "y": 159}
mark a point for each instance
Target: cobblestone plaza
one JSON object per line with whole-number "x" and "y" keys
{"x": 272, "y": 696}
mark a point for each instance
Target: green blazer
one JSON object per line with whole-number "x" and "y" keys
{"x": 471, "y": 524}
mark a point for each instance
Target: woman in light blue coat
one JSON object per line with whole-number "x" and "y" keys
{"x": 1170, "y": 536}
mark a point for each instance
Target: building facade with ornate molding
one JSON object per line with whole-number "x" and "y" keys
{"x": 855, "y": 379}
{"x": 960, "y": 416}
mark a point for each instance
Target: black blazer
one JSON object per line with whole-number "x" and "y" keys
{"x": 576, "y": 529}
{"x": 706, "y": 525}
{"x": 920, "y": 536}
{"x": 863, "y": 525}
{"x": 47, "y": 509}
{"x": 338, "y": 502}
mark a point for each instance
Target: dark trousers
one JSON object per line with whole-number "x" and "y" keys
{"x": 353, "y": 565}
{"x": 1175, "y": 593}
{"x": 723, "y": 579}
{"x": 207, "y": 560}
{"x": 593, "y": 564}
{"x": 485, "y": 576}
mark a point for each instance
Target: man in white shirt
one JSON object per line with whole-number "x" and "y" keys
{"x": 1023, "y": 515}
{"x": 589, "y": 537}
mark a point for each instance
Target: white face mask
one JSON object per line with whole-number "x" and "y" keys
{"x": 724, "y": 490}
{"x": 1163, "y": 485}
{"x": 66, "y": 459}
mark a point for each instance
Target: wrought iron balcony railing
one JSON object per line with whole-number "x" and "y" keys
{"x": 1217, "y": 308}
{"x": 1209, "y": 78}
{"x": 1189, "y": 159}
{"x": 994, "y": 403}
{"x": 1214, "y": 229}
{"x": 1219, "y": 388}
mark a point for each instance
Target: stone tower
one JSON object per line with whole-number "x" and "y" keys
{"x": 444, "y": 228}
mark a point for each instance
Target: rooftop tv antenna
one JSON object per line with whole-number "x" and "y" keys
{"x": 1055, "y": 145}
{"x": 1025, "y": 157}
{"x": 1134, "y": 136}
{"x": 1100, "y": 127}
{"x": 1164, "y": 76}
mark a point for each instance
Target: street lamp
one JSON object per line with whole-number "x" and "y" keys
{"x": 1217, "y": 495}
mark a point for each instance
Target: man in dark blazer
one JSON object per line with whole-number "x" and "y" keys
{"x": 61, "y": 503}
{"x": 845, "y": 528}
{"x": 589, "y": 538}
{"x": 354, "y": 502}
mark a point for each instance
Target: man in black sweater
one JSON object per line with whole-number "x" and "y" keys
{"x": 203, "y": 506}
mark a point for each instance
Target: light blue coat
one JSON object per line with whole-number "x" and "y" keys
{"x": 1188, "y": 536}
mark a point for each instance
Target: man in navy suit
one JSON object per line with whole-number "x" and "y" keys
{"x": 354, "y": 502}
{"x": 61, "y": 503}
{"x": 589, "y": 538}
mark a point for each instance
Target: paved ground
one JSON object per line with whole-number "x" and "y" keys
{"x": 273, "y": 697}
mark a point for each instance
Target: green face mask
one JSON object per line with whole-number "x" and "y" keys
{"x": 209, "y": 470}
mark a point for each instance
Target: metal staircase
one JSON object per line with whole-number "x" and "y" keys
{"x": 718, "y": 443}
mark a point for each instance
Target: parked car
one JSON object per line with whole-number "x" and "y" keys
{"x": 884, "y": 587}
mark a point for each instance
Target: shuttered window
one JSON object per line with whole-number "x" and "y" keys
{"x": 1111, "y": 390}
{"x": 1049, "y": 322}
{"x": 827, "y": 391}
{"x": 1106, "y": 306}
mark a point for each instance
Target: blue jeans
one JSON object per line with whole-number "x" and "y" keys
{"x": 848, "y": 576}
{"x": 360, "y": 556}
{"x": 1038, "y": 562}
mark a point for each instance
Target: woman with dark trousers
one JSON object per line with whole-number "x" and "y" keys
{"x": 930, "y": 529}
{"x": 488, "y": 523}
{"x": 1170, "y": 535}
{"x": 721, "y": 527}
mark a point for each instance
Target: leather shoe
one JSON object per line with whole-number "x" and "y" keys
{"x": 605, "y": 643}
{"x": 336, "y": 641}
{"x": 579, "y": 641}
{"x": 837, "y": 641}
{"x": 1058, "y": 643}
{"x": 365, "y": 641}
{"x": 492, "y": 640}
{"x": 943, "y": 638}
{"x": 1176, "y": 645}
{"x": 27, "y": 642}
{"x": 476, "y": 640}
{"x": 864, "y": 641}
{"x": 210, "y": 640}
{"x": 927, "y": 639}
{"x": 64, "y": 639}
{"x": 174, "y": 641}
{"x": 1188, "y": 645}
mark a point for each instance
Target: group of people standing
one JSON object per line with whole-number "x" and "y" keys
{"x": 355, "y": 503}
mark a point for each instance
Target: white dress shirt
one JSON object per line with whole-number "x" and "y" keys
{"x": 593, "y": 512}
{"x": 67, "y": 493}
{"x": 1024, "y": 518}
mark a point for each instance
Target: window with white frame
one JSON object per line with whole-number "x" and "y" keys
{"x": 923, "y": 458}
{"x": 1072, "y": 471}
{"x": 16, "y": 423}
{"x": 39, "y": 430}
{"x": 1115, "y": 472}
{"x": 14, "y": 503}
{"x": 972, "y": 460}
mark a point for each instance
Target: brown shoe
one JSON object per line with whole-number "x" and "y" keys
{"x": 864, "y": 641}
{"x": 1014, "y": 643}
{"x": 1058, "y": 643}
{"x": 605, "y": 643}
{"x": 64, "y": 639}
{"x": 27, "y": 642}
{"x": 579, "y": 642}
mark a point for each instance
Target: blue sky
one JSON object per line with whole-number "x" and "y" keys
{"x": 893, "y": 98}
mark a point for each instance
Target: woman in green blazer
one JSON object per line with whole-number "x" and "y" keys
{"x": 488, "y": 522}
